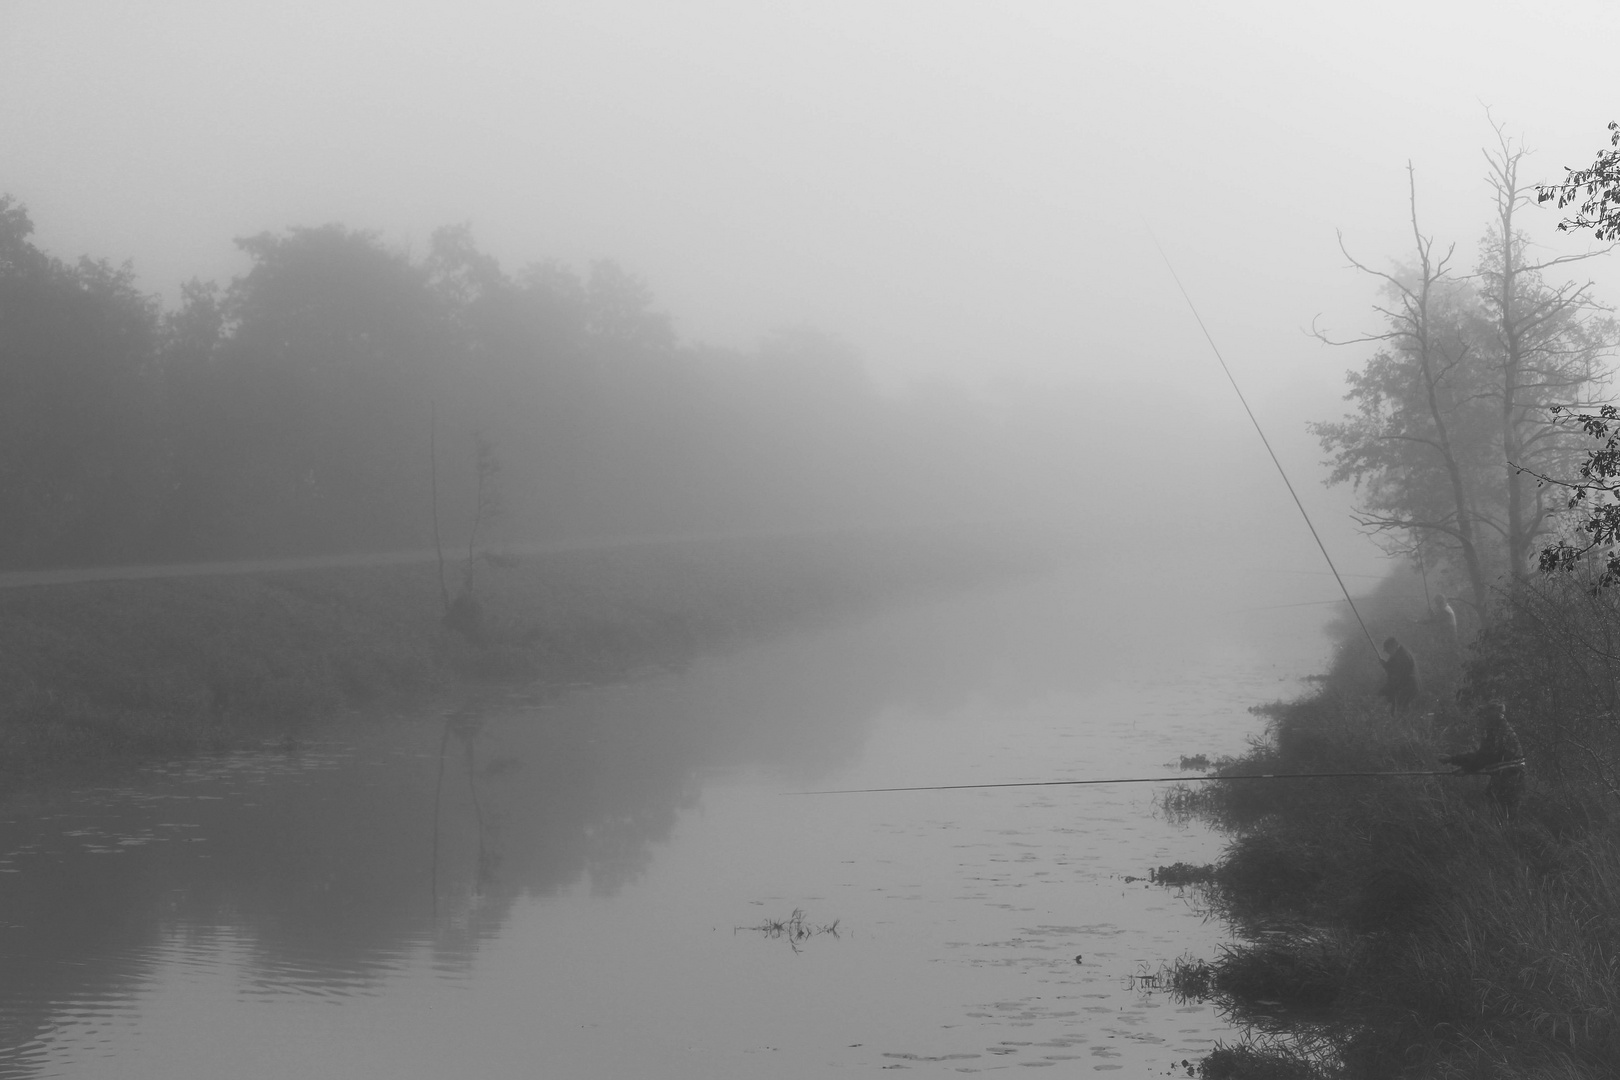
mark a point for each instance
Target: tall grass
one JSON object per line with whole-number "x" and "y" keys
{"x": 1432, "y": 935}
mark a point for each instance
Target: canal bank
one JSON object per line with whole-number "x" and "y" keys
{"x": 109, "y": 671}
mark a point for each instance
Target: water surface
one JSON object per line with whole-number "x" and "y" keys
{"x": 580, "y": 882}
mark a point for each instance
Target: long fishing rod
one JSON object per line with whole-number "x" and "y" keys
{"x": 1130, "y": 780}
{"x": 1261, "y": 432}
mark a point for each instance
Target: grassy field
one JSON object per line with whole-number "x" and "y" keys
{"x": 1405, "y": 926}
{"x": 105, "y": 672}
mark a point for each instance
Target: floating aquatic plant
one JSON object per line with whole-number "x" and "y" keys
{"x": 794, "y": 929}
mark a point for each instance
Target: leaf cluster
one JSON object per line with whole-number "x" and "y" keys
{"x": 1597, "y": 187}
{"x": 1595, "y": 495}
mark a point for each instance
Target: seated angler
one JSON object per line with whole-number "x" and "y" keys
{"x": 1498, "y": 756}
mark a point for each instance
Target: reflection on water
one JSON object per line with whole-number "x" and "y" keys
{"x": 555, "y": 878}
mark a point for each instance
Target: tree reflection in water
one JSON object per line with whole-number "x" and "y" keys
{"x": 465, "y": 724}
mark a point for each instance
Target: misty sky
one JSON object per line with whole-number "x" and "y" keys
{"x": 958, "y": 189}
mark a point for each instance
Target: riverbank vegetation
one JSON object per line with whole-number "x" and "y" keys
{"x": 1407, "y": 924}
{"x": 104, "y": 672}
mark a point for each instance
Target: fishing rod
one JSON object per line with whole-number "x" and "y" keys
{"x": 1261, "y": 432}
{"x": 1131, "y": 780}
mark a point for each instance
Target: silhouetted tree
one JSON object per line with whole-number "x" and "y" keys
{"x": 1417, "y": 446}
{"x": 1546, "y": 346}
{"x": 1593, "y": 491}
{"x": 465, "y": 613}
{"x": 302, "y": 426}
{"x": 1459, "y": 398}
{"x": 80, "y": 462}
{"x": 286, "y": 412}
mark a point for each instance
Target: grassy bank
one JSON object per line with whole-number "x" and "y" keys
{"x": 1404, "y": 927}
{"x": 108, "y": 671}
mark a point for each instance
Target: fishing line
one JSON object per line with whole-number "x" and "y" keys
{"x": 1261, "y": 432}
{"x": 1130, "y": 780}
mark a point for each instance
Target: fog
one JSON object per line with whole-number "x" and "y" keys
{"x": 958, "y": 201}
{"x": 688, "y": 539}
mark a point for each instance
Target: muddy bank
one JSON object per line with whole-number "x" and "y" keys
{"x": 101, "y": 672}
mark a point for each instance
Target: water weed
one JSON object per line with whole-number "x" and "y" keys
{"x": 795, "y": 929}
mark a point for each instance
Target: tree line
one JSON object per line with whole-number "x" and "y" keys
{"x": 314, "y": 403}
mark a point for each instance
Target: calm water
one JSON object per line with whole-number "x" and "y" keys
{"x": 574, "y": 883}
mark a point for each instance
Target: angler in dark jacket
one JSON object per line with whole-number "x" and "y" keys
{"x": 1400, "y": 675}
{"x": 1499, "y": 756}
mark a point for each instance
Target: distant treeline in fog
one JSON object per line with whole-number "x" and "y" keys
{"x": 288, "y": 412}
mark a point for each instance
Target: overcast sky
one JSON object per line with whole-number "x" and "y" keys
{"x": 958, "y": 189}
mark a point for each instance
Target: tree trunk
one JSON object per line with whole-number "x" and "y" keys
{"x": 1462, "y": 503}
{"x": 1505, "y": 181}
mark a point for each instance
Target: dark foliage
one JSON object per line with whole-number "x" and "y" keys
{"x": 80, "y": 405}
{"x": 302, "y": 408}
{"x": 1179, "y": 874}
{"x": 1592, "y": 496}
{"x": 1255, "y": 1063}
{"x": 1597, "y": 187}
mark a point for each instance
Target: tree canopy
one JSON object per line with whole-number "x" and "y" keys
{"x": 80, "y": 446}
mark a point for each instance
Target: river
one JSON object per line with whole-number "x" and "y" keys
{"x": 602, "y": 881}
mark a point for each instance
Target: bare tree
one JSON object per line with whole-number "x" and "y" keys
{"x": 1547, "y": 348}
{"x": 1412, "y": 446}
{"x": 465, "y": 612}
{"x": 1459, "y": 401}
